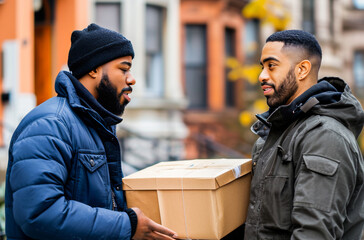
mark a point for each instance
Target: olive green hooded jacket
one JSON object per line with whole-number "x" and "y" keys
{"x": 308, "y": 170}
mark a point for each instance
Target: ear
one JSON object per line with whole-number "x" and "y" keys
{"x": 94, "y": 73}
{"x": 303, "y": 69}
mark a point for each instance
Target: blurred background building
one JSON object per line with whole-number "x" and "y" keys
{"x": 195, "y": 65}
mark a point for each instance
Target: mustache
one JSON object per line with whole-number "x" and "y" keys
{"x": 126, "y": 89}
{"x": 268, "y": 84}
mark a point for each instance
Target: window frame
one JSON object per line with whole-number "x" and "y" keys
{"x": 121, "y": 11}
{"x": 230, "y": 86}
{"x": 202, "y": 103}
{"x": 156, "y": 89}
{"x": 312, "y": 20}
{"x": 358, "y": 4}
{"x": 358, "y": 89}
{"x": 136, "y": 33}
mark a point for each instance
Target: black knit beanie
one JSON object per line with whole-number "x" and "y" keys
{"x": 94, "y": 46}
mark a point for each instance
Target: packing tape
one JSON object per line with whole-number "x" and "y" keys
{"x": 237, "y": 171}
{"x": 183, "y": 203}
{"x": 184, "y": 210}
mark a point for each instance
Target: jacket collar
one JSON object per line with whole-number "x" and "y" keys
{"x": 82, "y": 100}
{"x": 322, "y": 92}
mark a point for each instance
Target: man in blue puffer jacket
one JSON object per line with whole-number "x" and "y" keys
{"x": 64, "y": 173}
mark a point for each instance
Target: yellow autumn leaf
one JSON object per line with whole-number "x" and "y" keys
{"x": 232, "y": 63}
{"x": 234, "y": 75}
{"x": 251, "y": 73}
{"x": 255, "y": 9}
{"x": 246, "y": 118}
{"x": 268, "y": 11}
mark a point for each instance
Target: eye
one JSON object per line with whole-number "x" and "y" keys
{"x": 270, "y": 65}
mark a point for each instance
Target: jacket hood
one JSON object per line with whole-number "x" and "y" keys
{"x": 331, "y": 96}
{"x": 347, "y": 110}
{"x": 65, "y": 88}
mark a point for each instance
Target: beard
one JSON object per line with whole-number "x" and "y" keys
{"x": 109, "y": 98}
{"x": 284, "y": 91}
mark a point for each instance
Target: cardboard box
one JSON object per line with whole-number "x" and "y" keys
{"x": 199, "y": 199}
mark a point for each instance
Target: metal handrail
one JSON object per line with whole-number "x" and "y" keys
{"x": 216, "y": 148}
{"x": 205, "y": 144}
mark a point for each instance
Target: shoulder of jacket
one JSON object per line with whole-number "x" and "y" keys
{"x": 327, "y": 127}
{"x": 320, "y": 124}
{"x": 48, "y": 113}
{"x": 58, "y": 108}
{"x": 315, "y": 121}
{"x": 328, "y": 123}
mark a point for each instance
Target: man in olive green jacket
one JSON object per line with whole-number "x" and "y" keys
{"x": 308, "y": 170}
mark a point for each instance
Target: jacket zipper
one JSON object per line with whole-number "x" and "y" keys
{"x": 114, "y": 207}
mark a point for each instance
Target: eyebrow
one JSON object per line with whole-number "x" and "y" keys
{"x": 269, "y": 59}
{"x": 126, "y": 63}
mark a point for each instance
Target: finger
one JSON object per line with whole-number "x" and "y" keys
{"x": 160, "y": 236}
{"x": 161, "y": 229}
{"x": 156, "y": 236}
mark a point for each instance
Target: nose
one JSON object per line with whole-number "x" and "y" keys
{"x": 130, "y": 80}
{"x": 263, "y": 76}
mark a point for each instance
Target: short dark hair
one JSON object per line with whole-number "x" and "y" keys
{"x": 298, "y": 38}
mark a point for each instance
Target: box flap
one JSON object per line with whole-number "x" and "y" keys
{"x": 236, "y": 172}
{"x": 188, "y": 174}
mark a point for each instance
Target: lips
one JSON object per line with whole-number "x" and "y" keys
{"x": 267, "y": 88}
{"x": 126, "y": 96}
{"x": 125, "y": 92}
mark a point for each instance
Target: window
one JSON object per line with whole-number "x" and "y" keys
{"x": 251, "y": 41}
{"x": 252, "y": 49}
{"x": 108, "y": 15}
{"x": 195, "y": 66}
{"x": 358, "y": 68}
{"x": 308, "y": 20}
{"x": 154, "y": 22}
{"x": 359, "y": 4}
{"x": 229, "y": 52}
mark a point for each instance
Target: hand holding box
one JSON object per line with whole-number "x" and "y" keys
{"x": 199, "y": 199}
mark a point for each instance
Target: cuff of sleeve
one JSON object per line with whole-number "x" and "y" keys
{"x": 133, "y": 220}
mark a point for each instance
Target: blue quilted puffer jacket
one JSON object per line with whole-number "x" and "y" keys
{"x": 60, "y": 179}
